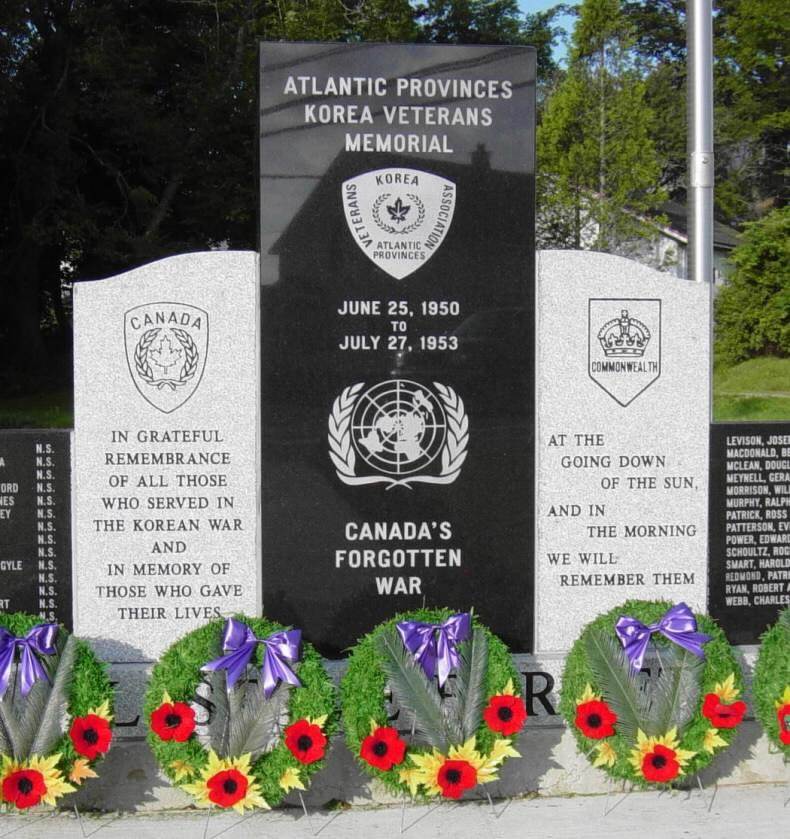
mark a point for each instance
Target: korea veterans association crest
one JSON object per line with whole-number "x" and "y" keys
{"x": 399, "y": 433}
{"x": 624, "y": 346}
{"x": 166, "y": 346}
{"x": 398, "y": 217}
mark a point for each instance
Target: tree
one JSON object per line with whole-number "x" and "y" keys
{"x": 753, "y": 308}
{"x": 491, "y": 22}
{"x": 753, "y": 106}
{"x": 471, "y": 21}
{"x": 127, "y": 134}
{"x": 659, "y": 50}
{"x": 598, "y": 170}
{"x": 751, "y": 98}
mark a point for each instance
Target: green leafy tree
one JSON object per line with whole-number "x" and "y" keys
{"x": 753, "y": 308}
{"x": 598, "y": 169}
{"x": 381, "y": 20}
{"x": 659, "y": 50}
{"x": 752, "y": 106}
{"x": 471, "y": 21}
{"x": 491, "y": 22}
{"x": 751, "y": 98}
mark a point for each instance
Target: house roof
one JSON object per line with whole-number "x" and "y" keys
{"x": 723, "y": 236}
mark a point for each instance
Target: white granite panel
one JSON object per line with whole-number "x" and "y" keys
{"x": 167, "y": 475}
{"x": 622, "y": 445}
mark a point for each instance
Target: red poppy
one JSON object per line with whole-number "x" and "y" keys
{"x": 306, "y": 741}
{"x": 783, "y": 715}
{"x": 595, "y": 719}
{"x": 660, "y": 765}
{"x": 173, "y": 721}
{"x": 227, "y": 788}
{"x": 505, "y": 713}
{"x": 721, "y": 714}
{"x": 456, "y": 776}
{"x": 25, "y": 788}
{"x": 383, "y": 748}
{"x": 90, "y": 736}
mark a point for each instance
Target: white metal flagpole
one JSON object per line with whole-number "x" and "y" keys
{"x": 699, "y": 40}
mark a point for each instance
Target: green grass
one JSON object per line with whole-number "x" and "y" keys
{"x": 755, "y": 390}
{"x": 54, "y": 409}
{"x": 750, "y": 409}
{"x": 761, "y": 375}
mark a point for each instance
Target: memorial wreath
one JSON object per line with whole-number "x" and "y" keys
{"x": 652, "y": 722}
{"x": 771, "y": 684}
{"x": 430, "y": 703}
{"x": 55, "y": 711}
{"x": 240, "y": 712}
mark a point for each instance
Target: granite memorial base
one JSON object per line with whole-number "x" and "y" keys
{"x": 550, "y": 765}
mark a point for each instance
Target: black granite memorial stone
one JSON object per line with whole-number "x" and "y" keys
{"x": 749, "y": 543}
{"x": 35, "y": 523}
{"x": 397, "y": 263}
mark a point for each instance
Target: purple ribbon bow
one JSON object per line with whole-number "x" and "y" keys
{"x": 239, "y": 642}
{"x": 433, "y": 645}
{"x": 678, "y": 624}
{"x": 40, "y": 640}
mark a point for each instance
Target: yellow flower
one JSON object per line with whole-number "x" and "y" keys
{"x": 607, "y": 756}
{"x": 182, "y": 769}
{"x": 54, "y": 784}
{"x": 785, "y": 698}
{"x": 712, "y": 740}
{"x": 102, "y": 711}
{"x": 588, "y": 695}
{"x": 726, "y": 690}
{"x": 412, "y": 778}
{"x": 427, "y": 766}
{"x": 508, "y": 689}
{"x": 501, "y": 749}
{"x": 485, "y": 765}
{"x": 227, "y": 782}
{"x": 290, "y": 780}
{"x": 80, "y": 771}
{"x": 645, "y": 745}
{"x": 425, "y": 773}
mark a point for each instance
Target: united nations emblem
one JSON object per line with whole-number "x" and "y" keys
{"x": 166, "y": 345}
{"x": 398, "y": 432}
{"x": 398, "y": 217}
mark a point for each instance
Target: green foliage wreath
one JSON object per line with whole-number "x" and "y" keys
{"x": 52, "y": 736}
{"x": 236, "y": 748}
{"x": 771, "y": 685}
{"x": 437, "y": 741}
{"x": 651, "y": 731}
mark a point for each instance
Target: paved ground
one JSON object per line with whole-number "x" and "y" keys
{"x": 748, "y": 812}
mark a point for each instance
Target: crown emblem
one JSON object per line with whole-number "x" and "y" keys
{"x": 624, "y": 337}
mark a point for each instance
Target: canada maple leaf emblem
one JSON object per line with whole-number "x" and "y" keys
{"x": 165, "y": 355}
{"x": 398, "y": 211}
